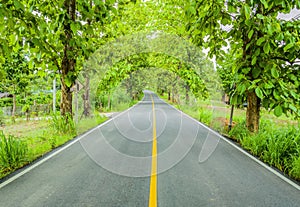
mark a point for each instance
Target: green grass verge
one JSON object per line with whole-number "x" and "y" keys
{"x": 277, "y": 143}
{"x": 23, "y": 142}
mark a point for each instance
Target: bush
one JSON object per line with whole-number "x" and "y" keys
{"x": 1, "y": 118}
{"x": 255, "y": 144}
{"x": 295, "y": 171}
{"x": 205, "y": 116}
{"x": 13, "y": 152}
{"x": 63, "y": 124}
{"x": 239, "y": 131}
{"x": 275, "y": 145}
{"x": 281, "y": 147}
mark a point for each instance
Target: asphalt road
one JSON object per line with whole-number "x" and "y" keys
{"x": 117, "y": 163}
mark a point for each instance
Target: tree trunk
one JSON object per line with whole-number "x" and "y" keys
{"x": 27, "y": 115}
{"x": 187, "y": 97}
{"x": 108, "y": 101}
{"x": 66, "y": 99}
{"x": 253, "y": 111}
{"x": 68, "y": 60}
{"x": 13, "y": 114}
{"x": 173, "y": 96}
{"x": 169, "y": 95}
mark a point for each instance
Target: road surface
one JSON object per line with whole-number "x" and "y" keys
{"x": 148, "y": 156}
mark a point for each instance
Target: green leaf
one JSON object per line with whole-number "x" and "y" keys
{"x": 18, "y": 5}
{"x": 243, "y": 89}
{"x": 250, "y": 34}
{"x": 288, "y": 46}
{"x": 30, "y": 65}
{"x": 233, "y": 99}
{"x": 74, "y": 27}
{"x": 260, "y": 16}
{"x": 293, "y": 108}
{"x": 253, "y": 62}
{"x": 68, "y": 82}
{"x": 276, "y": 95}
{"x": 279, "y": 37}
{"x": 256, "y": 72}
{"x": 259, "y": 93}
{"x": 13, "y": 39}
{"x": 267, "y": 47}
{"x": 274, "y": 72}
{"x": 247, "y": 11}
{"x": 246, "y": 70}
{"x": 265, "y": 4}
{"x": 269, "y": 85}
{"x": 278, "y": 111}
{"x": 260, "y": 41}
{"x": 295, "y": 95}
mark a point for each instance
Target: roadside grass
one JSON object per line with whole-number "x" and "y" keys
{"x": 41, "y": 134}
{"x": 13, "y": 153}
{"x": 23, "y": 142}
{"x": 277, "y": 143}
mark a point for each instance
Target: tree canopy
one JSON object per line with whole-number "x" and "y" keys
{"x": 264, "y": 49}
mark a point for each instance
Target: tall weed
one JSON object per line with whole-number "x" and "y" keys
{"x": 1, "y": 117}
{"x": 239, "y": 131}
{"x": 279, "y": 146}
{"x": 256, "y": 144}
{"x": 13, "y": 152}
{"x": 63, "y": 124}
{"x": 205, "y": 116}
{"x": 295, "y": 170}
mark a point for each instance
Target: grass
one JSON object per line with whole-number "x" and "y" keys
{"x": 13, "y": 152}
{"x": 23, "y": 142}
{"x": 278, "y": 146}
{"x": 277, "y": 143}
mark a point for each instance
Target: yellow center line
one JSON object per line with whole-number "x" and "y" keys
{"x": 153, "y": 179}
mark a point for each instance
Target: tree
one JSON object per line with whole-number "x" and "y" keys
{"x": 17, "y": 76}
{"x": 60, "y": 35}
{"x": 264, "y": 50}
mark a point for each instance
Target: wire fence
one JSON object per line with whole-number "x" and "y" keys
{"x": 35, "y": 110}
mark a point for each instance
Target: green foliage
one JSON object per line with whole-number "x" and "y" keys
{"x": 131, "y": 70}
{"x": 25, "y": 108}
{"x": 17, "y": 73}
{"x": 277, "y": 146}
{"x": 205, "y": 116}
{"x": 57, "y": 36}
{"x": 1, "y": 117}
{"x": 239, "y": 131}
{"x": 263, "y": 49}
{"x": 295, "y": 171}
{"x": 13, "y": 152}
{"x": 62, "y": 125}
{"x": 6, "y": 102}
{"x": 281, "y": 147}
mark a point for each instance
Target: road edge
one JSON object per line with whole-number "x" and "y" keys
{"x": 58, "y": 150}
{"x": 275, "y": 172}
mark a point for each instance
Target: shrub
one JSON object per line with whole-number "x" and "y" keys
{"x": 281, "y": 147}
{"x": 239, "y": 131}
{"x": 295, "y": 171}
{"x": 205, "y": 116}
{"x": 256, "y": 144}
{"x": 13, "y": 152}
{"x": 1, "y": 118}
{"x": 63, "y": 124}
